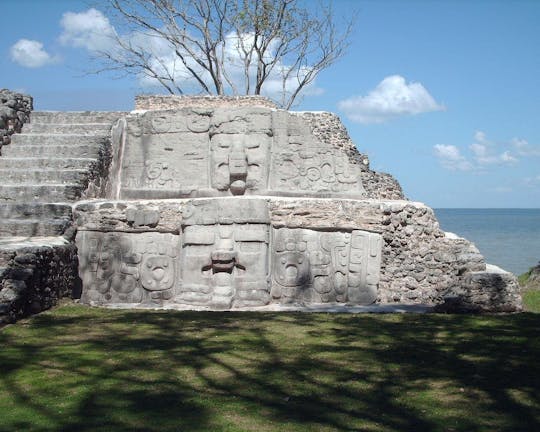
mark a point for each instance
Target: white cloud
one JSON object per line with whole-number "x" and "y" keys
{"x": 90, "y": 29}
{"x": 483, "y": 154}
{"x": 451, "y": 158}
{"x": 393, "y": 97}
{"x": 523, "y": 148}
{"x": 30, "y": 53}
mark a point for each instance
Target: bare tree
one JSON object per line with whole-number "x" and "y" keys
{"x": 270, "y": 47}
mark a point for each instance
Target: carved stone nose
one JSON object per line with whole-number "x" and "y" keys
{"x": 237, "y": 165}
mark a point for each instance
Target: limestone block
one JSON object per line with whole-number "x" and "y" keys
{"x": 129, "y": 216}
{"x": 256, "y": 120}
{"x": 225, "y": 211}
{"x": 327, "y": 214}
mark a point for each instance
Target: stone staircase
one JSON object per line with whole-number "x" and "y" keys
{"x": 49, "y": 166}
{"x": 58, "y": 158}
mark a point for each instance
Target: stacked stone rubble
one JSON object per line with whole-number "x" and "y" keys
{"x": 34, "y": 275}
{"x": 15, "y": 111}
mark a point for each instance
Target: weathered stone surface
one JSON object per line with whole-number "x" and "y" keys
{"x": 166, "y": 102}
{"x": 327, "y": 127}
{"x": 124, "y": 268}
{"x": 15, "y": 110}
{"x": 352, "y": 251}
{"x": 325, "y": 267}
{"x": 195, "y": 152}
{"x": 54, "y": 160}
{"x": 222, "y": 203}
{"x": 35, "y": 275}
{"x": 491, "y": 290}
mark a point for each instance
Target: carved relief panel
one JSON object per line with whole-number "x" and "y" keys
{"x": 127, "y": 267}
{"x": 322, "y": 267}
{"x": 240, "y": 145}
{"x": 165, "y": 154}
{"x": 223, "y": 264}
{"x": 239, "y": 162}
{"x": 225, "y": 254}
{"x": 302, "y": 164}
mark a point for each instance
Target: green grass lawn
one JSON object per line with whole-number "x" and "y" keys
{"x": 531, "y": 301}
{"x": 84, "y": 369}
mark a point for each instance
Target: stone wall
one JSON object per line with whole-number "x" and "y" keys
{"x": 280, "y": 250}
{"x": 98, "y": 173}
{"x": 15, "y": 110}
{"x": 167, "y": 102}
{"x": 34, "y": 276}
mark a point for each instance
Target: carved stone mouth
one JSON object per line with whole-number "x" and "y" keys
{"x": 223, "y": 260}
{"x": 226, "y": 267}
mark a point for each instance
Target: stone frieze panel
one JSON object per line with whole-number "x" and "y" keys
{"x": 224, "y": 265}
{"x": 165, "y": 152}
{"x": 225, "y": 253}
{"x": 325, "y": 267}
{"x": 127, "y": 268}
{"x": 301, "y": 164}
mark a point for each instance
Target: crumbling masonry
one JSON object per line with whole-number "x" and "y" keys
{"x": 220, "y": 203}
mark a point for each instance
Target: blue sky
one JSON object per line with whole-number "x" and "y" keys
{"x": 444, "y": 95}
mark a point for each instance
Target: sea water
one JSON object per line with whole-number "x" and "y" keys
{"x": 508, "y": 238}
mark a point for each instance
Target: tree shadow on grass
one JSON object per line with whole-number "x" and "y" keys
{"x": 191, "y": 371}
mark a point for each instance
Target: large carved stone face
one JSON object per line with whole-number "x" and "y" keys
{"x": 223, "y": 263}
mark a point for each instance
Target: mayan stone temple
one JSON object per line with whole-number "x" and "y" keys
{"x": 220, "y": 203}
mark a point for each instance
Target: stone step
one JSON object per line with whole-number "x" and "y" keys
{"x": 74, "y": 150}
{"x": 40, "y": 193}
{"x": 55, "y": 139}
{"x": 33, "y": 227}
{"x": 68, "y": 128}
{"x": 39, "y": 176}
{"x": 76, "y": 116}
{"x": 59, "y": 163}
{"x": 35, "y": 211}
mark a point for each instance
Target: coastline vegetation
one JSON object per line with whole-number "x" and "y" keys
{"x": 81, "y": 368}
{"x": 530, "y": 289}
